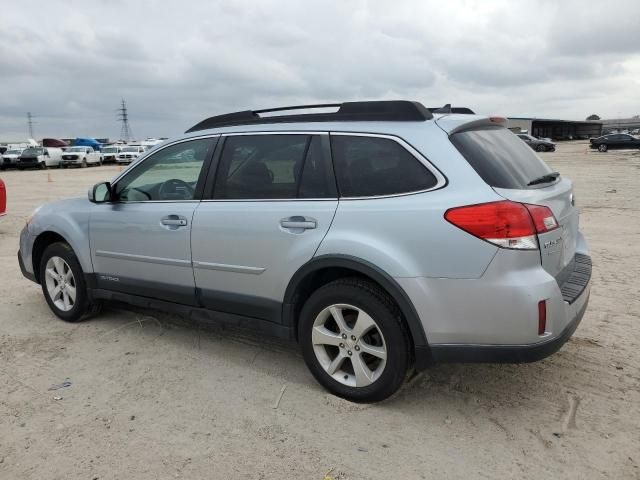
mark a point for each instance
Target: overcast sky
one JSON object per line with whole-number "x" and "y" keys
{"x": 70, "y": 62}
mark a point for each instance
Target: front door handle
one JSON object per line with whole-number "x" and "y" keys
{"x": 299, "y": 222}
{"x": 174, "y": 221}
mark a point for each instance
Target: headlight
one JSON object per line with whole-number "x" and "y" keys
{"x": 30, "y": 217}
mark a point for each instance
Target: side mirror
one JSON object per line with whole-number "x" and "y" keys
{"x": 100, "y": 193}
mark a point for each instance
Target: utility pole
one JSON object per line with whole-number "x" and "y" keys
{"x": 126, "y": 133}
{"x": 30, "y": 124}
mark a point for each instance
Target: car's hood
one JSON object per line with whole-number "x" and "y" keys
{"x": 11, "y": 156}
{"x": 68, "y": 204}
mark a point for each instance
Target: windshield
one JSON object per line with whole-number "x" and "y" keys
{"x": 499, "y": 157}
{"x": 110, "y": 150}
{"x": 77, "y": 149}
{"x": 130, "y": 149}
{"x": 33, "y": 151}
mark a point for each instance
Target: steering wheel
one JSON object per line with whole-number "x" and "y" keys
{"x": 172, "y": 186}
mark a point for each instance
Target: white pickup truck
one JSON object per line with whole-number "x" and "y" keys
{"x": 130, "y": 153}
{"x": 110, "y": 153}
{"x": 80, "y": 157}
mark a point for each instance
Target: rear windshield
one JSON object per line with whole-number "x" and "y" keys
{"x": 500, "y": 157}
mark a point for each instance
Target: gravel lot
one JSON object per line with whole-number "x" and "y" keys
{"x": 154, "y": 396}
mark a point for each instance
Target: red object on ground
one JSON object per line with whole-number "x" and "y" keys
{"x": 3, "y": 199}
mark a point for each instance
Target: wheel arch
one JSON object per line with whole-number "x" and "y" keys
{"x": 42, "y": 241}
{"x": 71, "y": 234}
{"x": 326, "y": 268}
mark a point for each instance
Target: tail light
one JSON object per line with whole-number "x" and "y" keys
{"x": 506, "y": 224}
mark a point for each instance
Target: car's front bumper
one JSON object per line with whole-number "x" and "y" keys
{"x": 24, "y": 254}
{"x": 26, "y": 273}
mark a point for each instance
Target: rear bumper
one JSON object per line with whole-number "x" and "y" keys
{"x": 510, "y": 353}
{"x": 494, "y": 318}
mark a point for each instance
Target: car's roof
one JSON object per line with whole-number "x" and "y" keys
{"x": 447, "y": 122}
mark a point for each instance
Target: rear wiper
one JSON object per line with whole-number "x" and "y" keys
{"x": 546, "y": 178}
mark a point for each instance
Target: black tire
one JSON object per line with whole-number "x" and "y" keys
{"x": 541, "y": 148}
{"x": 83, "y": 307}
{"x": 379, "y": 306}
{"x": 603, "y": 147}
{"x": 84, "y": 163}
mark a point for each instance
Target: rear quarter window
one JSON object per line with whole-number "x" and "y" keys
{"x": 373, "y": 166}
{"x": 500, "y": 158}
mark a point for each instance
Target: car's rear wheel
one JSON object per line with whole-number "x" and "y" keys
{"x": 541, "y": 148}
{"x": 602, "y": 147}
{"x": 63, "y": 284}
{"x": 354, "y": 340}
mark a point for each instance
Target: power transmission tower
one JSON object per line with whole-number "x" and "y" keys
{"x": 126, "y": 133}
{"x": 30, "y": 124}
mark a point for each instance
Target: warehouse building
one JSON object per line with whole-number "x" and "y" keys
{"x": 555, "y": 129}
{"x": 622, "y": 124}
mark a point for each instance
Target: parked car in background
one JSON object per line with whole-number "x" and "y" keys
{"x": 9, "y": 159}
{"x": 3, "y": 199}
{"x": 382, "y": 237}
{"x": 539, "y": 145}
{"x": 110, "y": 153}
{"x": 130, "y": 153}
{"x": 615, "y": 141}
{"x": 80, "y": 157}
{"x": 39, "y": 157}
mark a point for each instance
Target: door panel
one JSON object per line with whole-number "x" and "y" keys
{"x": 273, "y": 203}
{"x": 141, "y": 243}
{"x": 243, "y": 256}
{"x": 134, "y": 252}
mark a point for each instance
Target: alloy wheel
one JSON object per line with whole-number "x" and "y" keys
{"x": 61, "y": 284}
{"x": 349, "y": 345}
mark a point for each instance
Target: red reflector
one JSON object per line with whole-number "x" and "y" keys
{"x": 543, "y": 218}
{"x": 542, "y": 317}
{"x": 493, "y": 220}
{"x": 497, "y": 119}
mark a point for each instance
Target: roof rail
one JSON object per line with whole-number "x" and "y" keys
{"x": 449, "y": 109}
{"x": 386, "y": 110}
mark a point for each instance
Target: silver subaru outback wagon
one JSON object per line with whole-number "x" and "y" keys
{"x": 383, "y": 237}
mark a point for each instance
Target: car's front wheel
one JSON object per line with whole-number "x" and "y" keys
{"x": 63, "y": 283}
{"x": 541, "y": 148}
{"x": 602, "y": 147}
{"x": 354, "y": 340}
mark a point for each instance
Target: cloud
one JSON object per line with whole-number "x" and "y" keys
{"x": 178, "y": 62}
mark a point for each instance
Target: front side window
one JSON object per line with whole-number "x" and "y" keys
{"x": 170, "y": 174}
{"x": 273, "y": 167}
{"x": 373, "y": 166}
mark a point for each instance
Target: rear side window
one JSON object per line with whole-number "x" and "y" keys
{"x": 501, "y": 159}
{"x": 373, "y": 166}
{"x": 273, "y": 167}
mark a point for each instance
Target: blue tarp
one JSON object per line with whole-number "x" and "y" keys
{"x": 87, "y": 142}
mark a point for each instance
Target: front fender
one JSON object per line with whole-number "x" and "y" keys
{"x": 70, "y": 220}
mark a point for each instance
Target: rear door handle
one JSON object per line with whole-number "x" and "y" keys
{"x": 174, "y": 221}
{"x": 304, "y": 223}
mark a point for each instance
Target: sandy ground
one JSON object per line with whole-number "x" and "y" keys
{"x": 154, "y": 396}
